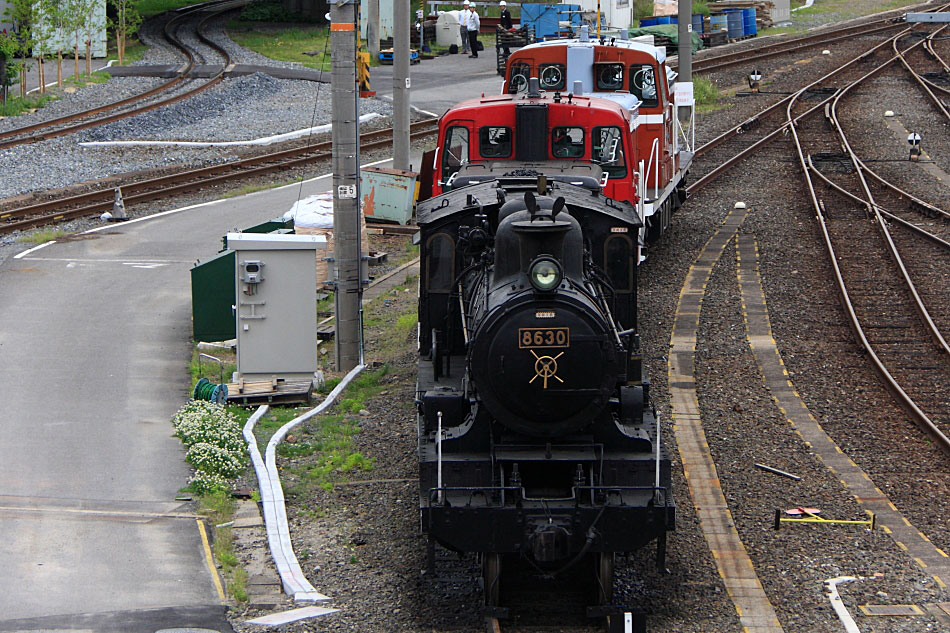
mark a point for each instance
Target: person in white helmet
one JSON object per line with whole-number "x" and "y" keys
{"x": 473, "y": 24}
{"x": 505, "y": 22}
{"x": 463, "y": 25}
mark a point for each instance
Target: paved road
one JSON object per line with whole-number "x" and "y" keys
{"x": 94, "y": 342}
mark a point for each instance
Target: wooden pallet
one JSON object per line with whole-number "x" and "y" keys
{"x": 275, "y": 390}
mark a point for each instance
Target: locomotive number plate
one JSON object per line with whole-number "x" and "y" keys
{"x": 544, "y": 337}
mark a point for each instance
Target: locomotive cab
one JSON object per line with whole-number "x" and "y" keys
{"x": 622, "y": 67}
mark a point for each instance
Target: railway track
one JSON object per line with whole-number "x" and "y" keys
{"x": 97, "y": 201}
{"x": 887, "y": 312}
{"x": 90, "y": 118}
{"x": 749, "y": 136}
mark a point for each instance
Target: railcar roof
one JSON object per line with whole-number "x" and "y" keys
{"x": 657, "y": 52}
{"x": 593, "y": 102}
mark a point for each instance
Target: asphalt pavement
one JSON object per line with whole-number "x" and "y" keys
{"x": 94, "y": 346}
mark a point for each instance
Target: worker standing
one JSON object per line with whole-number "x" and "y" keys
{"x": 505, "y": 23}
{"x": 463, "y": 25}
{"x": 473, "y": 25}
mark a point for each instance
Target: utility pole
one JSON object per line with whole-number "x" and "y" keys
{"x": 344, "y": 33}
{"x": 372, "y": 28}
{"x": 401, "y": 84}
{"x": 685, "y": 47}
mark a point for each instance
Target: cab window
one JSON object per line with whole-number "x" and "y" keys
{"x": 551, "y": 76}
{"x": 519, "y": 78}
{"x": 455, "y": 151}
{"x": 567, "y": 142}
{"x": 609, "y": 77}
{"x": 643, "y": 84}
{"x": 494, "y": 141}
{"x": 607, "y": 150}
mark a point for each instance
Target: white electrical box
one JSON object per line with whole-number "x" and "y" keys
{"x": 276, "y": 305}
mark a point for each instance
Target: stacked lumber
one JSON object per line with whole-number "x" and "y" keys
{"x": 763, "y": 10}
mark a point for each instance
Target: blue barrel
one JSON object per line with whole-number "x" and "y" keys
{"x": 748, "y": 22}
{"x": 734, "y": 23}
{"x": 718, "y": 22}
{"x": 648, "y": 22}
{"x": 698, "y": 23}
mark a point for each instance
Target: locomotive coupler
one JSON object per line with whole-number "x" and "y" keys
{"x": 550, "y": 542}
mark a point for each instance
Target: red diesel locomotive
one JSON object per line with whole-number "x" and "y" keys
{"x": 577, "y": 109}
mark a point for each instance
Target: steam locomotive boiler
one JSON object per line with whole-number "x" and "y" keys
{"x": 537, "y": 439}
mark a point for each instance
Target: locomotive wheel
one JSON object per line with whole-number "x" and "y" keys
{"x": 491, "y": 575}
{"x": 604, "y": 577}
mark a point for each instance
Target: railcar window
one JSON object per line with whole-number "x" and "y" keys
{"x": 607, "y": 150}
{"x": 519, "y": 78}
{"x": 643, "y": 84}
{"x": 455, "y": 152}
{"x": 551, "y": 76}
{"x": 610, "y": 77}
{"x": 567, "y": 142}
{"x": 440, "y": 263}
{"x": 618, "y": 261}
{"x": 494, "y": 141}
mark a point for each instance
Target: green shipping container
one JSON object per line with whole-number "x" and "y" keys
{"x": 212, "y": 297}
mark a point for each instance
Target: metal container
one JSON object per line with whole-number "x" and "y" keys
{"x": 388, "y": 194}
{"x": 734, "y": 23}
{"x": 648, "y": 22}
{"x": 718, "y": 22}
{"x": 698, "y": 23}
{"x": 748, "y": 22}
{"x": 212, "y": 299}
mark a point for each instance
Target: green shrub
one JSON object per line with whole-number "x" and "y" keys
{"x": 214, "y": 459}
{"x": 268, "y": 11}
{"x": 216, "y": 447}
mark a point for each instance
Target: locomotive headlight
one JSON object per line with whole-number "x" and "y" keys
{"x": 545, "y": 274}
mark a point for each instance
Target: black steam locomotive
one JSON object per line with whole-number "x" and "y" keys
{"x": 537, "y": 439}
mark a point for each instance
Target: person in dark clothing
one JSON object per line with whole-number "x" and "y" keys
{"x": 505, "y": 22}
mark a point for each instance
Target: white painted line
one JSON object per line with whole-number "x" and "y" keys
{"x": 33, "y": 250}
{"x": 125, "y": 262}
{"x": 831, "y": 589}
{"x": 267, "y": 140}
{"x": 276, "y": 619}
{"x": 208, "y": 204}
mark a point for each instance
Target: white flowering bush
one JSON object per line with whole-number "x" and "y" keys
{"x": 208, "y": 422}
{"x": 216, "y": 447}
{"x": 214, "y": 459}
{"x": 203, "y": 482}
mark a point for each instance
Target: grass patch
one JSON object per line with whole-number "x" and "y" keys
{"x": 134, "y": 51}
{"x": 218, "y": 507}
{"x": 148, "y": 8}
{"x": 243, "y": 191}
{"x": 201, "y": 367}
{"x": 41, "y": 237}
{"x": 707, "y": 95}
{"x": 288, "y": 45}
{"x": 15, "y": 106}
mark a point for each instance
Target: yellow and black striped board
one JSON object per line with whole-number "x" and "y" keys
{"x": 756, "y": 613}
{"x": 926, "y": 555}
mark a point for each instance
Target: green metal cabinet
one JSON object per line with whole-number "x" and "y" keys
{"x": 212, "y": 298}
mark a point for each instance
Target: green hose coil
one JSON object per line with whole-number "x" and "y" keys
{"x": 207, "y": 390}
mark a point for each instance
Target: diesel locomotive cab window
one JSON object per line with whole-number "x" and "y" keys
{"x": 607, "y": 150}
{"x": 567, "y": 142}
{"x": 519, "y": 78}
{"x": 440, "y": 263}
{"x": 643, "y": 84}
{"x": 609, "y": 77}
{"x": 494, "y": 141}
{"x": 618, "y": 261}
{"x": 551, "y": 76}
{"x": 455, "y": 152}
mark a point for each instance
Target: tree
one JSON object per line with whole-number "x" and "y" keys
{"x": 126, "y": 24}
{"x": 8, "y": 49}
{"x": 20, "y": 14}
{"x": 72, "y": 24}
{"x": 93, "y": 21}
{"x": 54, "y": 28}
